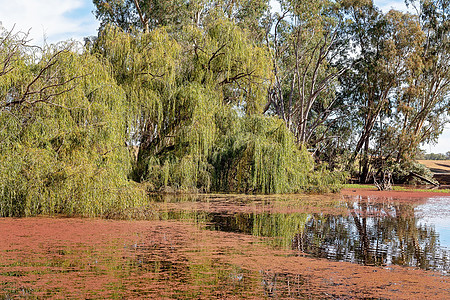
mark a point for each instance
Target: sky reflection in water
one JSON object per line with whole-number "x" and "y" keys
{"x": 364, "y": 230}
{"x": 436, "y": 212}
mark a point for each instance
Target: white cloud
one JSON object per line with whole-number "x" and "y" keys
{"x": 387, "y": 5}
{"x": 55, "y": 19}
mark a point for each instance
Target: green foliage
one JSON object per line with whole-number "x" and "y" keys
{"x": 260, "y": 156}
{"x": 399, "y": 81}
{"x": 147, "y": 15}
{"x": 62, "y": 147}
{"x": 150, "y": 13}
{"x": 175, "y": 97}
{"x": 189, "y": 98}
{"x": 196, "y": 98}
{"x": 401, "y": 172}
{"x": 437, "y": 156}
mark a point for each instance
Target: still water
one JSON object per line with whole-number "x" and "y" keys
{"x": 364, "y": 230}
{"x": 236, "y": 247}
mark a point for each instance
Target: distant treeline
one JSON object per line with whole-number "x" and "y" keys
{"x": 435, "y": 156}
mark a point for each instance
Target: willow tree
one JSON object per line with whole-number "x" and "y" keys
{"x": 62, "y": 133}
{"x": 176, "y": 84}
{"x": 258, "y": 154}
{"x": 196, "y": 95}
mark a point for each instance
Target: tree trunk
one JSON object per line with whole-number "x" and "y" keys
{"x": 365, "y": 162}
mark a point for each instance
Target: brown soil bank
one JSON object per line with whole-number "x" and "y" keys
{"x": 440, "y": 168}
{"x": 436, "y": 166}
{"x": 97, "y": 259}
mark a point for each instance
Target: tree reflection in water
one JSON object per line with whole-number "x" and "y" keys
{"x": 368, "y": 231}
{"x": 374, "y": 233}
{"x": 284, "y": 285}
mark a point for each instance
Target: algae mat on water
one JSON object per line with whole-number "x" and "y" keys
{"x": 88, "y": 258}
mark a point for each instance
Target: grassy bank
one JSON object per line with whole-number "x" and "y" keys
{"x": 395, "y": 188}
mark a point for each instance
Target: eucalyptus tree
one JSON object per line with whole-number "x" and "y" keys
{"x": 389, "y": 50}
{"x": 149, "y": 14}
{"x": 424, "y": 100}
{"x": 146, "y": 15}
{"x": 304, "y": 43}
{"x": 361, "y": 85}
{"x": 398, "y": 84}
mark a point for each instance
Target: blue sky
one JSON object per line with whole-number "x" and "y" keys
{"x": 50, "y": 20}
{"x": 57, "y": 20}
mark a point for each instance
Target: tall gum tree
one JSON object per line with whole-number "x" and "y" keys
{"x": 424, "y": 101}
{"x": 361, "y": 85}
{"x": 398, "y": 85}
{"x": 149, "y": 14}
{"x": 303, "y": 44}
{"x": 389, "y": 51}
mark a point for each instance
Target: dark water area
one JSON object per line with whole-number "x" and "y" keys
{"x": 362, "y": 230}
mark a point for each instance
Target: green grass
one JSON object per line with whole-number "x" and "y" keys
{"x": 412, "y": 189}
{"x": 359, "y": 186}
{"x": 395, "y": 188}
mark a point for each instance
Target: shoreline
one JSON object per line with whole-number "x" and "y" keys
{"x": 409, "y": 193}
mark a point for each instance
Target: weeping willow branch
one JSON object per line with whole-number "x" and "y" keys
{"x": 216, "y": 54}
{"x": 46, "y": 85}
{"x": 12, "y": 53}
{"x": 236, "y": 77}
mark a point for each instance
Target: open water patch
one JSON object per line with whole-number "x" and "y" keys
{"x": 370, "y": 231}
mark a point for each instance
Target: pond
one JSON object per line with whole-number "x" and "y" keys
{"x": 350, "y": 245}
{"x": 363, "y": 230}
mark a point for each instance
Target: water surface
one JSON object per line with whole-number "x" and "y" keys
{"x": 364, "y": 230}
{"x": 236, "y": 247}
